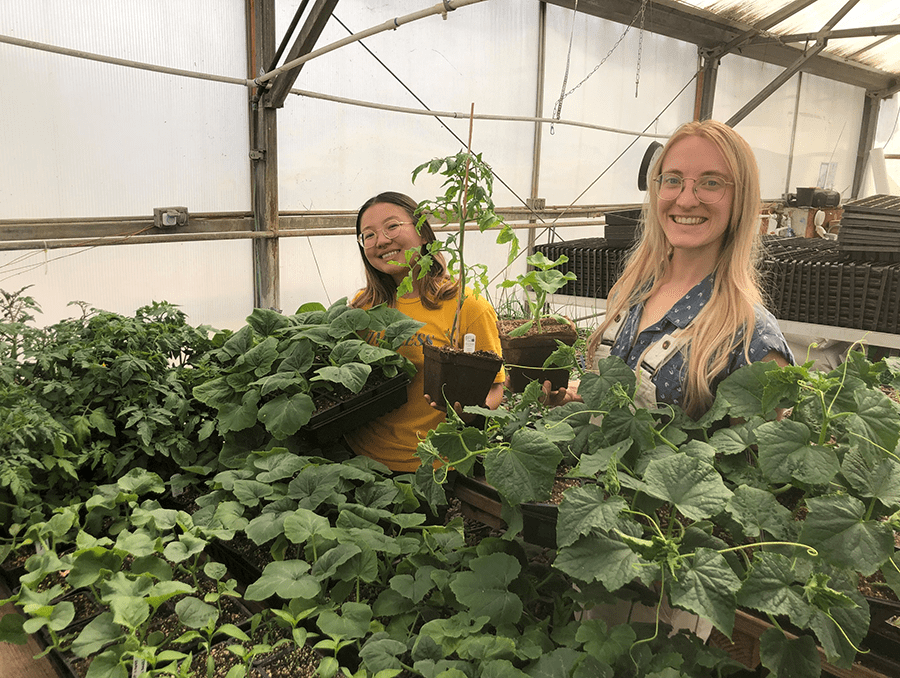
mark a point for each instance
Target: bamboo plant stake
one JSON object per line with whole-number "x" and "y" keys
{"x": 463, "y": 217}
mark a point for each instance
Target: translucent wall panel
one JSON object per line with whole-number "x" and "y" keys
{"x": 588, "y": 166}
{"x": 326, "y": 268}
{"x": 84, "y": 139}
{"x": 335, "y": 156}
{"x": 210, "y": 281}
{"x": 827, "y": 130}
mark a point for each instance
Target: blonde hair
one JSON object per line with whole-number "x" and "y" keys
{"x": 434, "y": 288}
{"x": 729, "y": 317}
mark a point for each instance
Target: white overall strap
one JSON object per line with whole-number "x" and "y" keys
{"x": 608, "y": 339}
{"x": 654, "y": 357}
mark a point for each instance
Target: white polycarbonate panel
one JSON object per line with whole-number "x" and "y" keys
{"x": 625, "y": 81}
{"x": 210, "y": 281}
{"x": 88, "y": 139}
{"x": 335, "y": 156}
{"x": 827, "y": 127}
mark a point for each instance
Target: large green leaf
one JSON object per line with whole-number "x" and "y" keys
{"x": 239, "y": 416}
{"x": 266, "y": 321}
{"x": 771, "y": 587}
{"x": 265, "y": 527}
{"x": 692, "y": 485}
{"x": 875, "y": 424}
{"x": 353, "y": 376}
{"x": 605, "y": 644}
{"x": 706, "y": 585}
{"x": 285, "y": 578}
{"x": 485, "y": 590}
{"x": 250, "y": 492}
{"x": 414, "y": 586}
{"x": 612, "y": 372}
{"x": 90, "y": 564}
{"x": 743, "y": 390}
{"x": 836, "y": 526}
{"x": 789, "y": 658}
{"x": 353, "y": 622}
{"x": 842, "y": 630}
{"x": 786, "y": 454}
{"x": 597, "y": 557}
{"x": 583, "y": 509}
{"x": 258, "y": 359}
{"x": 526, "y": 470}
{"x": 758, "y": 511}
{"x": 401, "y": 331}
{"x": 285, "y": 415}
{"x": 302, "y": 524}
{"x": 278, "y": 464}
{"x": 98, "y": 633}
{"x": 873, "y": 478}
{"x": 348, "y": 323}
{"x": 195, "y": 614}
{"x": 280, "y": 381}
{"x": 187, "y": 546}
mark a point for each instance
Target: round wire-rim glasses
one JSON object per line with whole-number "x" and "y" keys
{"x": 708, "y": 189}
{"x": 391, "y": 231}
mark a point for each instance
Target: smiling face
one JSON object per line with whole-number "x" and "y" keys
{"x": 690, "y": 225}
{"x": 387, "y": 254}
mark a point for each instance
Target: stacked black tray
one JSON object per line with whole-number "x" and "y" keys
{"x": 595, "y": 261}
{"x": 808, "y": 280}
{"x": 870, "y": 228}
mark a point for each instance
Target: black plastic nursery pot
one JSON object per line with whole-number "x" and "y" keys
{"x": 480, "y": 501}
{"x": 525, "y": 355}
{"x": 457, "y": 377}
{"x": 341, "y": 415}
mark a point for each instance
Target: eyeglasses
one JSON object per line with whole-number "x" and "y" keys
{"x": 708, "y": 189}
{"x": 367, "y": 239}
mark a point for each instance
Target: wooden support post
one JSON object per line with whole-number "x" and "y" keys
{"x": 263, "y": 159}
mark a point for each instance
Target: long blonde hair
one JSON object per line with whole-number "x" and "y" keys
{"x": 728, "y": 318}
{"x": 434, "y": 288}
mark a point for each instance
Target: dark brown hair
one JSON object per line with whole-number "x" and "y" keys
{"x": 435, "y": 287}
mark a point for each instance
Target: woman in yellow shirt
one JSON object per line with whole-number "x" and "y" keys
{"x": 386, "y": 231}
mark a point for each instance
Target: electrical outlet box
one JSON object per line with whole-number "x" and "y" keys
{"x": 170, "y": 217}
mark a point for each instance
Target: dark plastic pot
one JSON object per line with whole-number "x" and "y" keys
{"x": 532, "y": 351}
{"x": 454, "y": 376}
{"x": 480, "y": 501}
{"x": 348, "y": 415}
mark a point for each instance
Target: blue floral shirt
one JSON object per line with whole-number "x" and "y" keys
{"x": 669, "y": 379}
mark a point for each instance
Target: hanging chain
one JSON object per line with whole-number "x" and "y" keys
{"x": 557, "y": 109}
{"x": 637, "y": 75}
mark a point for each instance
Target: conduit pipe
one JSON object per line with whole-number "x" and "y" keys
{"x": 390, "y": 25}
{"x": 244, "y": 82}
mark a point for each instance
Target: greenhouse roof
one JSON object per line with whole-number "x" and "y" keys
{"x": 853, "y": 41}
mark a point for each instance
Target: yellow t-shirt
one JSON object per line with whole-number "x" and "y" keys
{"x": 392, "y": 438}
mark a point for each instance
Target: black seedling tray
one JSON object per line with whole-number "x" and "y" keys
{"x": 348, "y": 415}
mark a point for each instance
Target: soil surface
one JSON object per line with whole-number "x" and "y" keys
{"x": 548, "y": 325}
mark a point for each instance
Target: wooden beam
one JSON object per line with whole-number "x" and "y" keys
{"x": 309, "y": 34}
{"x": 264, "y": 161}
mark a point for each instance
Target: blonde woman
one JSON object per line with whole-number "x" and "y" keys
{"x": 687, "y": 310}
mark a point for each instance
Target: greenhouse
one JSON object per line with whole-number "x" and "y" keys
{"x": 453, "y": 338}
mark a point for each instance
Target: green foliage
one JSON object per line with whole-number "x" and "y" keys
{"x": 266, "y": 377}
{"x": 536, "y": 284}
{"x": 93, "y": 396}
{"x": 467, "y": 198}
{"x": 741, "y": 509}
{"x": 776, "y": 514}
